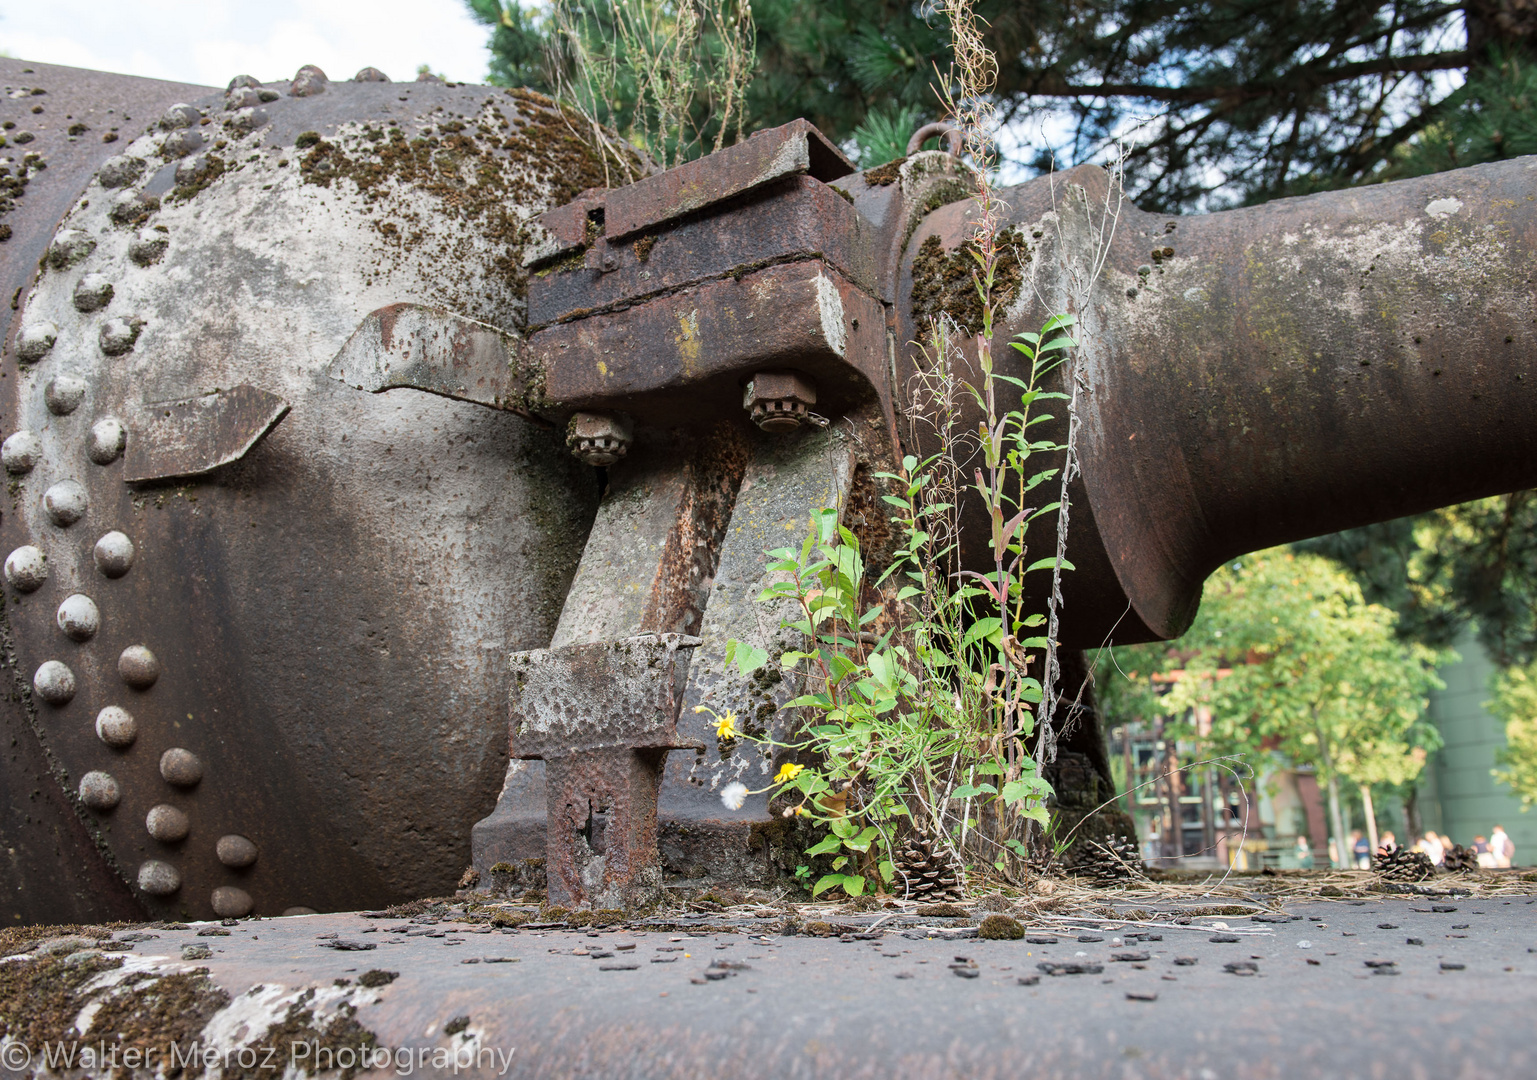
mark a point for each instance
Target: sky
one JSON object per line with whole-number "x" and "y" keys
{"x": 210, "y": 41}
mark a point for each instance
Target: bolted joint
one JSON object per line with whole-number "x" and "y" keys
{"x": 779, "y": 401}
{"x": 599, "y": 438}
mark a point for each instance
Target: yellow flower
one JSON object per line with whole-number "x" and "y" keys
{"x": 787, "y": 772}
{"x": 725, "y": 726}
{"x": 701, "y": 708}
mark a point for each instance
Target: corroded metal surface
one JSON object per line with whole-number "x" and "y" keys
{"x": 1266, "y": 374}
{"x": 884, "y": 995}
{"x": 602, "y": 717}
{"x": 193, "y": 436}
{"x": 331, "y": 614}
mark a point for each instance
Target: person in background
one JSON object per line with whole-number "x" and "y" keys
{"x": 1361, "y": 848}
{"x": 1389, "y": 841}
{"x": 1481, "y": 850}
{"x": 1304, "y": 854}
{"x": 1502, "y": 847}
{"x": 1433, "y": 848}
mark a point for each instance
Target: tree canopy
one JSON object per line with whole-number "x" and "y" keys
{"x": 1237, "y": 99}
{"x": 1515, "y": 701}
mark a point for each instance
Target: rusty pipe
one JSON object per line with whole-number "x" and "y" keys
{"x": 1273, "y": 372}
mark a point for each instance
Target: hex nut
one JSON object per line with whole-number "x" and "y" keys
{"x": 26, "y": 569}
{"x": 180, "y": 768}
{"x": 109, "y": 438}
{"x": 138, "y": 667}
{"x": 54, "y": 683}
{"x": 79, "y": 617}
{"x": 21, "y": 452}
{"x": 35, "y": 341}
{"x": 158, "y": 878}
{"x": 99, "y": 791}
{"x": 230, "y": 902}
{"x": 92, "y": 293}
{"x": 65, "y": 503}
{"x": 116, "y": 727}
{"x": 779, "y": 401}
{"x": 599, "y": 438}
{"x": 114, "y": 554}
{"x": 235, "y": 851}
{"x": 64, "y": 394}
{"x": 167, "y": 824}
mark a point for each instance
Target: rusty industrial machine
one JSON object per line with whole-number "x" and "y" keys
{"x": 345, "y": 421}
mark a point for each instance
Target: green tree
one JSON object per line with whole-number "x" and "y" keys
{"x": 1242, "y": 99}
{"x": 1290, "y": 659}
{"x": 1515, "y": 701}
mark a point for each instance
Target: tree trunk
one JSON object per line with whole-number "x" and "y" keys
{"x": 1371, "y": 817}
{"x": 1344, "y": 857}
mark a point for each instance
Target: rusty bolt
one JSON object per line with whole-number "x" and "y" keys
{"x": 114, "y": 554}
{"x": 116, "y": 726}
{"x": 180, "y": 768}
{"x": 54, "y": 683}
{"x": 778, "y": 401}
{"x": 99, "y": 791}
{"x": 599, "y": 438}
{"x": 236, "y": 851}
{"x": 26, "y": 569}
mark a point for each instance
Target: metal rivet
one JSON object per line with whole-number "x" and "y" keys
{"x": 108, "y": 439}
{"x": 167, "y": 824}
{"x": 158, "y": 878}
{"x": 99, "y": 791}
{"x": 246, "y": 121}
{"x": 242, "y": 97}
{"x": 180, "y": 115}
{"x": 230, "y": 902}
{"x": 21, "y": 452}
{"x": 65, "y": 503}
{"x": 64, "y": 394}
{"x": 243, "y": 80}
{"x": 54, "y": 683}
{"x": 92, "y": 292}
{"x": 69, "y": 247}
{"x": 297, "y": 909}
{"x": 180, "y": 768}
{"x": 114, "y": 554}
{"x": 119, "y": 335}
{"x": 236, "y": 851}
{"x": 120, "y": 171}
{"x": 26, "y": 569}
{"x": 149, "y": 246}
{"x": 188, "y": 171}
{"x": 36, "y": 340}
{"x": 181, "y": 143}
{"x": 79, "y": 617}
{"x": 370, "y": 74}
{"x": 116, "y": 727}
{"x": 138, "y": 667}
{"x": 308, "y": 81}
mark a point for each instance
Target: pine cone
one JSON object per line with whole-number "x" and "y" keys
{"x": 925, "y": 871}
{"x": 1401, "y": 864}
{"x": 1111, "y": 862}
{"x": 1460, "y": 860}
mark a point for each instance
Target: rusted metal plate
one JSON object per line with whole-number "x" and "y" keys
{"x": 769, "y": 155}
{"x": 423, "y": 348}
{"x": 602, "y": 716}
{"x": 597, "y": 696}
{"x": 795, "y": 218}
{"x": 709, "y": 339}
{"x": 196, "y": 435}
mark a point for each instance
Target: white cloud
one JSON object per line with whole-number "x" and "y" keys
{"x": 209, "y": 41}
